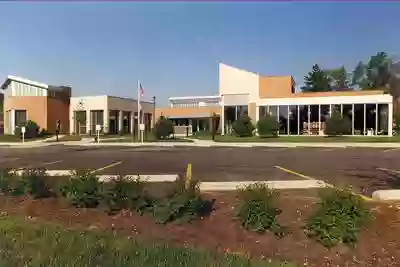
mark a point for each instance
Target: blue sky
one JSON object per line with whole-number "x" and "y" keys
{"x": 173, "y": 48}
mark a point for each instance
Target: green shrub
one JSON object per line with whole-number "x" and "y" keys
{"x": 183, "y": 203}
{"x": 122, "y": 193}
{"x": 256, "y": 209}
{"x": 339, "y": 218}
{"x": 338, "y": 125}
{"x": 267, "y": 126}
{"x": 31, "y": 130}
{"x": 31, "y": 182}
{"x": 34, "y": 183}
{"x": 396, "y": 127}
{"x": 243, "y": 126}
{"x": 163, "y": 128}
{"x": 8, "y": 181}
{"x": 82, "y": 189}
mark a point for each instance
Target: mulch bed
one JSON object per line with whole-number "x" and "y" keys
{"x": 378, "y": 244}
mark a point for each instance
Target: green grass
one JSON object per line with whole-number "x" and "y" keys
{"x": 5, "y": 138}
{"x": 149, "y": 137}
{"x": 305, "y": 139}
{"x": 27, "y": 243}
{"x": 67, "y": 138}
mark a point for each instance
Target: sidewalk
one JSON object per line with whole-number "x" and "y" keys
{"x": 199, "y": 143}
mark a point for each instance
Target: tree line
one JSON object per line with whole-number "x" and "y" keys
{"x": 380, "y": 72}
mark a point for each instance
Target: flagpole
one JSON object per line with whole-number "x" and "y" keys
{"x": 138, "y": 110}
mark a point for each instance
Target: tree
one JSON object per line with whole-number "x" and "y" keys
{"x": 373, "y": 75}
{"x": 340, "y": 79}
{"x": 394, "y": 84}
{"x": 317, "y": 80}
{"x": 163, "y": 128}
{"x": 378, "y": 73}
{"x": 243, "y": 126}
{"x": 267, "y": 126}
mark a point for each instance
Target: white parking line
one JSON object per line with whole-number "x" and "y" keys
{"x": 40, "y": 164}
{"x": 391, "y": 149}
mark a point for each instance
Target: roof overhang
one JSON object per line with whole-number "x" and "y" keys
{"x": 22, "y": 80}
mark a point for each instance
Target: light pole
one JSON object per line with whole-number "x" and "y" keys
{"x": 154, "y": 111}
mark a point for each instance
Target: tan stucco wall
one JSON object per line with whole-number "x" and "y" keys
{"x": 167, "y": 112}
{"x": 275, "y": 86}
{"x": 234, "y": 81}
{"x": 252, "y": 111}
{"x": 57, "y": 110}
{"x": 35, "y": 106}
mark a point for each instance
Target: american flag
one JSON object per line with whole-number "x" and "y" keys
{"x": 141, "y": 90}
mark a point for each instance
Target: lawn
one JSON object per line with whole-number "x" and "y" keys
{"x": 305, "y": 139}
{"x": 129, "y": 138}
{"x": 4, "y": 138}
{"x": 28, "y": 243}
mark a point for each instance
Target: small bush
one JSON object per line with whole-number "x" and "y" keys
{"x": 243, "y": 126}
{"x": 256, "y": 209}
{"x": 183, "y": 203}
{"x": 163, "y": 128}
{"x": 338, "y": 125}
{"x": 396, "y": 127}
{"x": 122, "y": 193}
{"x": 8, "y": 181}
{"x": 339, "y": 218}
{"x": 31, "y": 130}
{"x": 82, "y": 189}
{"x": 267, "y": 126}
{"x": 34, "y": 183}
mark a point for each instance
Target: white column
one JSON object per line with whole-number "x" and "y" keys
{"x": 298, "y": 120}
{"x": 71, "y": 121}
{"x": 105, "y": 120}
{"x": 319, "y": 119}
{"x": 198, "y": 125}
{"x": 132, "y": 121}
{"x": 390, "y": 119}
{"x": 330, "y": 110}
{"x": 12, "y": 122}
{"x": 277, "y": 117}
{"x": 288, "y": 120}
{"x": 88, "y": 128}
{"x": 120, "y": 121}
{"x": 365, "y": 119}
{"x": 341, "y": 109}
{"x": 257, "y": 114}
{"x": 352, "y": 119}
{"x": 309, "y": 117}
{"x": 222, "y": 116}
{"x": 376, "y": 119}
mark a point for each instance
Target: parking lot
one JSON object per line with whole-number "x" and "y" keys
{"x": 355, "y": 167}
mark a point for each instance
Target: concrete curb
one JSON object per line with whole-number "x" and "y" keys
{"x": 231, "y": 186}
{"x": 391, "y": 194}
{"x": 105, "y": 177}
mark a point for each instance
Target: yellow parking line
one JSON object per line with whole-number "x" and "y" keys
{"x": 388, "y": 170}
{"x": 53, "y": 162}
{"x": 295, "y": 173}
{"x": 108, "y": 166}
{"x": 329, "y": 185}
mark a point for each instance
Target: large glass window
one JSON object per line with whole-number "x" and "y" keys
{"x": 293, "y": 124}
{"x": 283, "y": 120}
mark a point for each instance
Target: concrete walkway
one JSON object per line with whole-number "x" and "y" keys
{"x": 202, "y": 143}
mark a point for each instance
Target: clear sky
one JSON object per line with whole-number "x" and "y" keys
{"x": 173, "y": 48}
